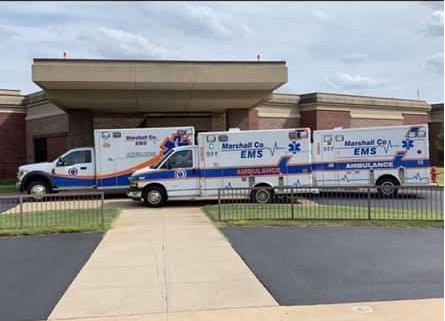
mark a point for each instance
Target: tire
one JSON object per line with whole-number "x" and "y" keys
{"x": 388, "y": 187}
{"x": 154, "y": 197}
{"x": 262, "y": 194}
{"x": 38, "y": 189}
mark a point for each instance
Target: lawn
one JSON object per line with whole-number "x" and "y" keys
{"x": 7, "y": 186}
{"x": 281, "y": 214}
{"x": 56, "y": 221}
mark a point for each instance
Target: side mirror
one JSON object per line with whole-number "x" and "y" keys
{"x": 60, "y": 162}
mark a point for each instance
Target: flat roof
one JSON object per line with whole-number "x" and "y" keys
{"x": 125, "y": 85}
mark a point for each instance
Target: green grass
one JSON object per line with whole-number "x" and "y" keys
{"x": 7, "y": 186}
{"x": 316, "y": 215}
{"x": 55, "y": 221}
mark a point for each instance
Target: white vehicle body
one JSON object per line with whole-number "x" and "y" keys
{"x": 117, "y": 154}
{"x": 371, "y": 156}
{"x": 250, "y": 158}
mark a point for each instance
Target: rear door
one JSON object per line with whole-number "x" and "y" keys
{"x": 325, "y": 168}
{"x": 210, "y": 168}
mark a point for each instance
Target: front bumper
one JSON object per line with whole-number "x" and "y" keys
{"x": 134, "y": 193}
{"x": 18, "y": 186}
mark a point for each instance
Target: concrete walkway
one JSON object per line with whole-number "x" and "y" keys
{"x": 161, "y": 261}
{"x": 410, "y": 310}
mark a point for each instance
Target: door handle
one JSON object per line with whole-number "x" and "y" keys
{"x": 83, "y": 167}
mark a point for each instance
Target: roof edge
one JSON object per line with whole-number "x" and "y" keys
{"x": 281, "y": 62}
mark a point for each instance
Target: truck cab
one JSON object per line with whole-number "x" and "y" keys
{"x": 74, "y": 169}
{"x": 176, "y": 174}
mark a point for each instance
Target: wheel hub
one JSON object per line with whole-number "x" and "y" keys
{"x": 38, "y": 191}
{"x": 262, "y": 196}
{"x": 154, "y": 197}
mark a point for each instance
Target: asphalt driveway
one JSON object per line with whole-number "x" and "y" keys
{"x": 302, "y": 266}
{"x": 36, "y": 270}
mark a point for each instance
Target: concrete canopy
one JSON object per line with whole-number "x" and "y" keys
{"x": 157, "y": 85}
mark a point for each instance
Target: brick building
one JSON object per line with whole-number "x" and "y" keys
{"x": 79, "y": 96}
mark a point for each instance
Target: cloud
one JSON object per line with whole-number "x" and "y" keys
{"x": 29, "y": 33}
{"x": 355, "y": 58}
{"x": 435, "y": 5}
{"x": 117, "y": 43}
{"x": 247, "y": 31}
{"x": 341, "y": 81}
{"x": 321, "y": 15}
{"x": 190, "y": 19}
{"x": 436, "y": 62}
{"x": 435, "y": 26}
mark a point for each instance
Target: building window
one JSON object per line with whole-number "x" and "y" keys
{"x": 40, "y": 150}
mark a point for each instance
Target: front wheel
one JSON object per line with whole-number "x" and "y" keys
{"x": 38, "y": 190}
{"x": 154, "y": 197}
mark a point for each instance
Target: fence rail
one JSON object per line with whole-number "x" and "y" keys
{"x": 20, "y": 211}
{"x": 423, "y": 203}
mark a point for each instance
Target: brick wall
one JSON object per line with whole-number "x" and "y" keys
{"x": 242, "y": 118}
{"x": 325, "y": 119}
{"x": 52, "y": 126}
{"x": 80, "y": 128}
{"x": 106, "y": 121}
{"x": 12, "y": 143}
{"x": 412, "y": 119}
{"x": 436, "y": 156}
{"x": 219, "y": 121}
{"x": 273, "y": 123}
{"x": 57, "y": 144}
{"x": 308, "y": 119}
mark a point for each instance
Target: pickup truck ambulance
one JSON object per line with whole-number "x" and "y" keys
{"x": 107, "y": 166}
{"x": 382, "y": 156}
{"x": 234, "y": 158}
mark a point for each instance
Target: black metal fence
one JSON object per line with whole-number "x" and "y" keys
{"x": 423, "y": 203}
{"x": 54, "y": 210}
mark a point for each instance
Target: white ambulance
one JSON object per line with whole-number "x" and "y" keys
{"x": 229, "y": 159}
{"x": 108, "y": 165}
{"x": 382, "y": 156}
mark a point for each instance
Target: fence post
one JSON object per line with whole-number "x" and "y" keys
{"x": 102, "y": 210}
{"x": 369, "y": 202}
{"x": 219, "y": 204}
{"x": 292, "y": 202}
{"x": 21, "y": 210}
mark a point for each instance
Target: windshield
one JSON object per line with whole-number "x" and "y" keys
{"x": 155, "y": 165}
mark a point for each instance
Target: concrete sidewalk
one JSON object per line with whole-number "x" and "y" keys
{"x": 410, "y": 310}
{"x": 161, "y": 260}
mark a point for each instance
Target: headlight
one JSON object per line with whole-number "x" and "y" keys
{"x": 133, "y": 182}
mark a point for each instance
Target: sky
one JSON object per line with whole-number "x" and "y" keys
{"x": 388, "y": 49}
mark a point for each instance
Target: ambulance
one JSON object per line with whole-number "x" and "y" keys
{"x": 385, "y": 157}
{"x": 249, "y": 158}
{"x": 108, "y": 165}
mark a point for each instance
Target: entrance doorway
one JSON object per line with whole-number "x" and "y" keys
{"x": 40, "y": 150}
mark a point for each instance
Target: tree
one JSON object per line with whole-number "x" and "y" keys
{"x": 439, "y": 142}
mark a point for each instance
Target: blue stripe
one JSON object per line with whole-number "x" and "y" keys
{"x": 59, "y": 181}
{"x": 395, "y": 163}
